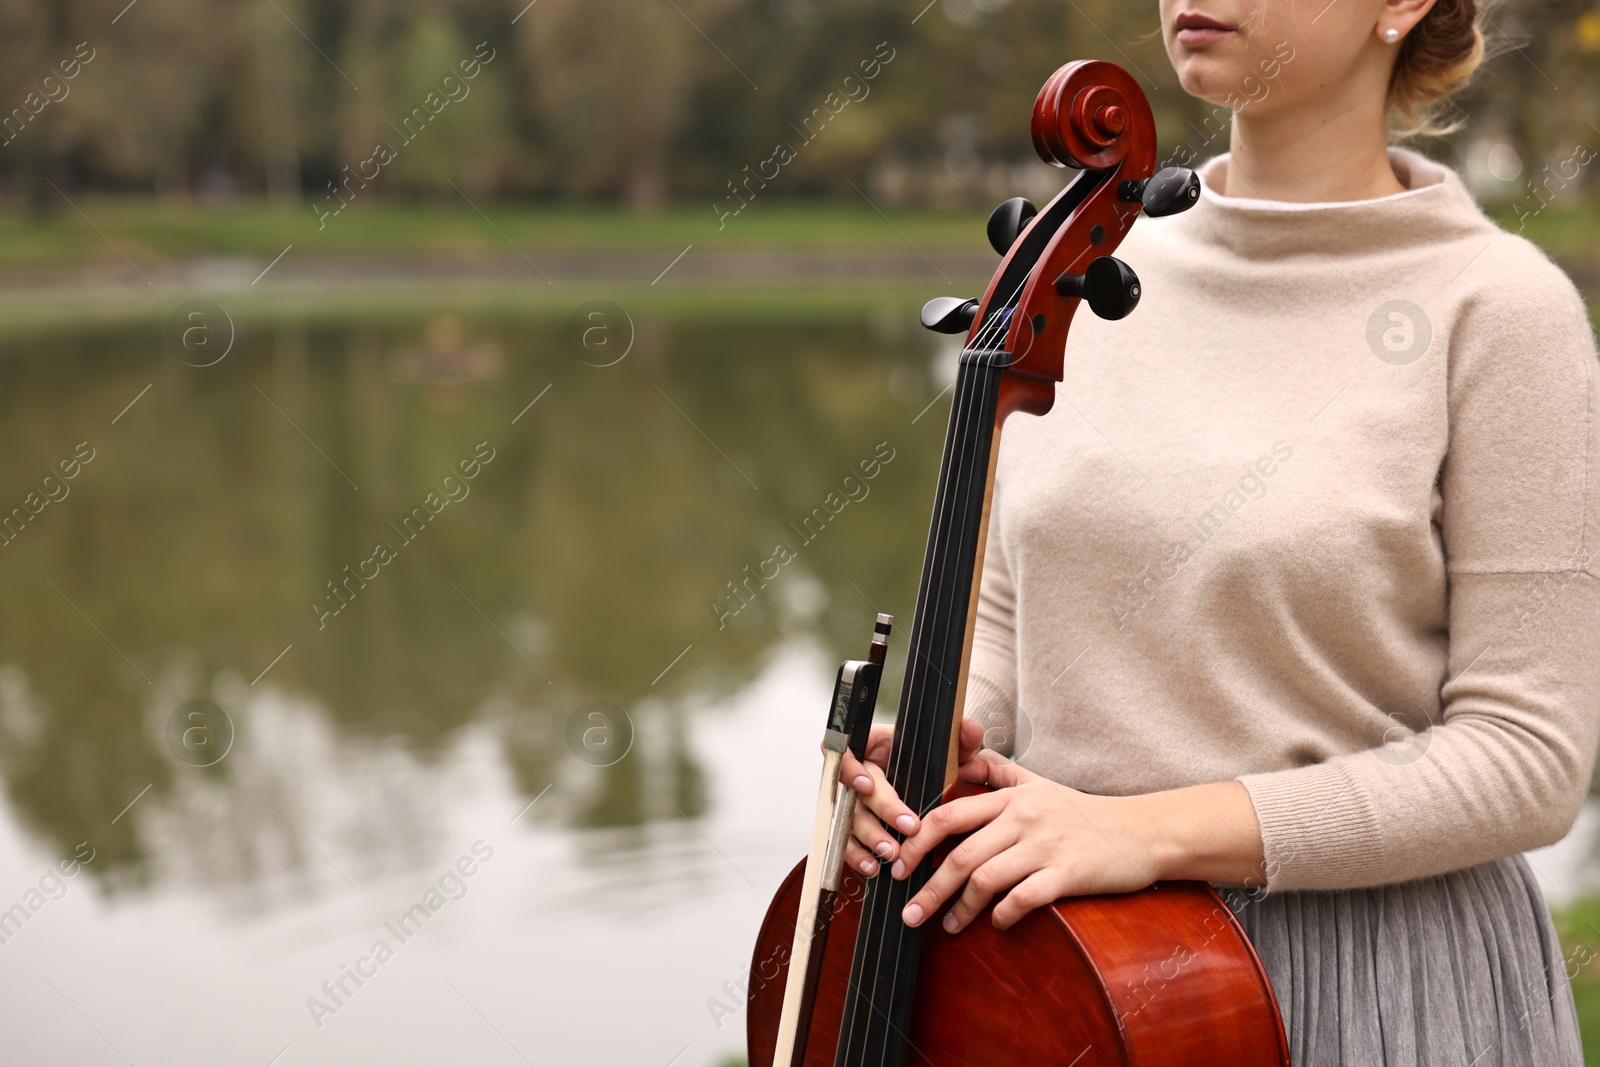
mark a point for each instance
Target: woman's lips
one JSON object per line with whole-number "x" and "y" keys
{"x": 1199, "y": 35}
{"x": 1196, "y": 29}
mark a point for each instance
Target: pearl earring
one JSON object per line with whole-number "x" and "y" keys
{"x": 1391, "y": 35}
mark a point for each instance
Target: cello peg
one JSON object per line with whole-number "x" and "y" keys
{"x": 1006, "y": 223}
{"x": 949, "y": 314}
{"x": 1167, "y": 192}
{"x": 1109, "y": 285}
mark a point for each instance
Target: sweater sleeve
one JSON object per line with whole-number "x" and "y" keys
{"x": 1507, "y": 765}
{"x": 991, "y": 695}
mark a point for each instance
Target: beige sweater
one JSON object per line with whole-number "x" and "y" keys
{"x": 1334, "y": 481}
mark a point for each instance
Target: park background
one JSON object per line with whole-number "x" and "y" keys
{"x": 372, "y": 320}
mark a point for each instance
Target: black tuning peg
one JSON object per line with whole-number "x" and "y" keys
{"x": 1166, "y": 192}
{"x": 1006, "y": 223}
{"x": 1109, "y": 285}
{"x": 949, "y": 314}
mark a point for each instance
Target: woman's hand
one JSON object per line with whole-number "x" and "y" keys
{"x": 878, "y": 804}
{"x": 1042, "y": 841}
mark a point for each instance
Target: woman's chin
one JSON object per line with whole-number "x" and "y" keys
{"x": 1207, "y": 77}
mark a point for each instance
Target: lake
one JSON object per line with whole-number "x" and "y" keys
{"x": 430, "y": 686}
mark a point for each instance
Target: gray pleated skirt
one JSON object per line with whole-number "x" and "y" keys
{"x": 1460, "y": 970}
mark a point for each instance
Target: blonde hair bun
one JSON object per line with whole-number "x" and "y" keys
{"x": 1437, "y": 58}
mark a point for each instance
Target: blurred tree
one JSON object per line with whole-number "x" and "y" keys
{"x": 639, "y": 100}
{"x": 69, "y": 112}
{"x": 610, "y": 78}
{"x": 275, "y": 69}
{"x": 462, "y": 142}
{"x": 366, "y": 114}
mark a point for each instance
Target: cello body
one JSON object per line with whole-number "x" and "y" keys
{"x": 1164, "y": 977}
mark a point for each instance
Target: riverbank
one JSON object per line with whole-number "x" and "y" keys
{"x": 108, "y": 259}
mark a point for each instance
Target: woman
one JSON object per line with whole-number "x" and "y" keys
{"x": 1295, "y": 588}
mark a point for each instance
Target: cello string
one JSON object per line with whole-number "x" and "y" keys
{"x": 879, "y": 917}
{"x": 946, "y": 610}
{"x": 922, "y": 691}
{"x": 999, "y": 323}
{"x": 1086, "y": 175}
{"x": 1004, "y": 322}
{"x": 925, "y": 755}
{"x": 960, "y": 443}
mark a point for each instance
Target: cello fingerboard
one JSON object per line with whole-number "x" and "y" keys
{"x": 883, "y": 972}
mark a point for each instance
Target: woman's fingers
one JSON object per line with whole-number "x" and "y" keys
{"x": 859, "y": 858}
{"x": 1035, "y": 891}
{"x": 994, "y": 770}
{"x": 879, "y": 740}
{"x": 990, "y": 879}
{"x": 953, "y": 873}
{"x": 971, "y": 740}
{"x": 853, "y": 773}
{"x": 851, "y": 770}
{"x": 955, "y": 817}
{"x": 882, "y": 800}
{"x": 876, "y": 805}
{"x": 870, "y": 834}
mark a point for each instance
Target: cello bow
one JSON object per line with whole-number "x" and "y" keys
{"x": 855, "y": 696}
{"x": 1164, "y": 977}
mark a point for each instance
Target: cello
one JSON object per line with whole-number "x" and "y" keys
{"x": 1163, "y": 977}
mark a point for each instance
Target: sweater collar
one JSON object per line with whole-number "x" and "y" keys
{"x": 1434, "y": 207}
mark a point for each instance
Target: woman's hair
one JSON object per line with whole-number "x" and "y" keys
{"x": 1437, "y": 57}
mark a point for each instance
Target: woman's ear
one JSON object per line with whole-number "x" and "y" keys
{"x": 1399, "y": 16}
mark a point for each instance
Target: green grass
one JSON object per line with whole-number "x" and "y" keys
{"x": 32, "y": 313}
{"x": 155, "y": 231}
{"x": 1578, "y": 924}
{"x": 1569, "y": 233}
{"x": 170, "y": 230}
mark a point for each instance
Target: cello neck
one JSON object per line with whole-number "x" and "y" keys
{"x": 883, "y": 971}
{"x": 936, "y": 661}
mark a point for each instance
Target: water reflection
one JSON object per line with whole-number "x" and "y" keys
{"x": 369, "y": 518}
{"x": 306, "y": 625}
{"x": 555, "y": 936}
